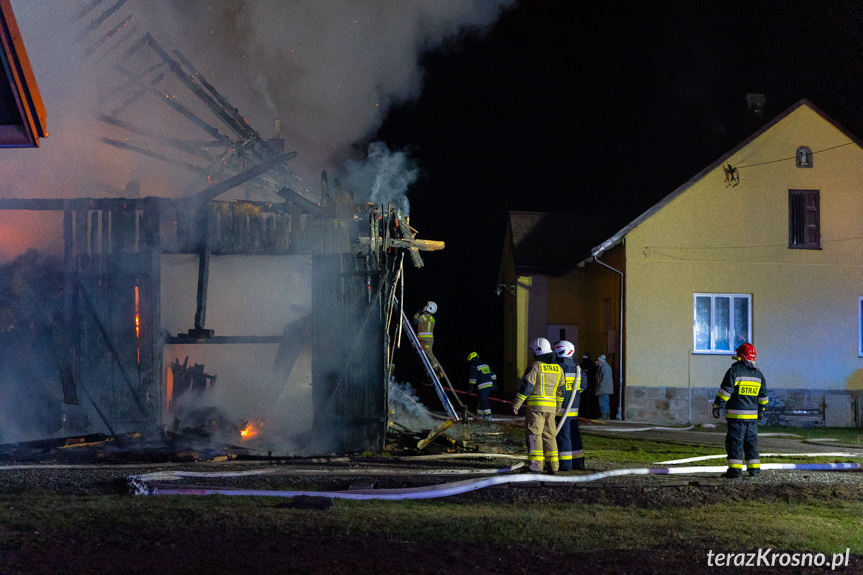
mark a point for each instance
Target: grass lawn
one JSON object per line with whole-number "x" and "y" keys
{"x": 48, "y": 533}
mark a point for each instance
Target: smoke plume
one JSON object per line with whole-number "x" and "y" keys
{"x": 325, "y": 73}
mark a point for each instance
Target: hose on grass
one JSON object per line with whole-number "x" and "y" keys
{"x": 145, "y": 484}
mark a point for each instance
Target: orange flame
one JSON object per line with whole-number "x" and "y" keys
{"x": 251, "y": 430}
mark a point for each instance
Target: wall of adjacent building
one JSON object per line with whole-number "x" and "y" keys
{"x": 720, "y": 238}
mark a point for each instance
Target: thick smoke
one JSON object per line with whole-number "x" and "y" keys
{"x": 383, "y": 178}
{"x": 328, "y": 72}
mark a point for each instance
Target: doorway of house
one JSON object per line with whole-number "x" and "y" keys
{"x": 563, "y": 331}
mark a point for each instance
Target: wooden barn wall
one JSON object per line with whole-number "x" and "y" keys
{"x": 115, "y": 356}
{"x": 349, "y": 394}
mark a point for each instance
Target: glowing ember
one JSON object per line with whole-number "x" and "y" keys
{"x": 251, "y": 430}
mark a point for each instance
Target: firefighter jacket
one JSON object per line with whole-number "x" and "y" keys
{"x": 743, "y": 391}
{"x": 480, "y": 375}
{"x": 572, "y": 384}
{"x": 425, "y": 326}
{"x": 541, "y": 388}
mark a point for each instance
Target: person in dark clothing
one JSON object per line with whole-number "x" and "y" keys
{"x": 604, "y": 387}
{"x": 589, "y": 404}
{"x": 570, "y": 450}
{"x": 743, "y": 393}
{"x": 483, "y": 379}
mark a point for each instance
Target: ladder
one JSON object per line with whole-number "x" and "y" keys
{"x": 438, "y": 387}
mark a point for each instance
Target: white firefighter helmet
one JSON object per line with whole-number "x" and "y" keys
{"x": 564, "y": 349}
{"x": 540, "y": 346}
{"x": 431, "y": 307}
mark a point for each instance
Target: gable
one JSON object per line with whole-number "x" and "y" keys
{"x": 751, "y": 216}
{"x": 795, "y": 124}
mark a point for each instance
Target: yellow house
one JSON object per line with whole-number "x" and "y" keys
{"x": 764, "y": 245}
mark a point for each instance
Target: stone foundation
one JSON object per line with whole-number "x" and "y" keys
{"x": 791, "y": 407}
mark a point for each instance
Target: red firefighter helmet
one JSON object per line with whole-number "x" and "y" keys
{"x": 746, "y": 351}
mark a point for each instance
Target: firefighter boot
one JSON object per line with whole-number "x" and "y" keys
{"x": 754, "y": 472}
{"x": 578, "y": 463}
{"x": 732, "y": 473}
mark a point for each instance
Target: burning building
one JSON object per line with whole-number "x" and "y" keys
{"x": 245, "y": 306}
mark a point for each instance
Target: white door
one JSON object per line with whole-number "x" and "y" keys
{"x": 563, "y": 331}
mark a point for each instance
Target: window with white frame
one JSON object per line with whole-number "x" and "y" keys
{"x": 722, "y": 322}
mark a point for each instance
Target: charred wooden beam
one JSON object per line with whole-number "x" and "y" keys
{"x": 103, "y": 38}
{"x": 96, "y": 22}
{"x": 239, "y": 127}
{"x": 304, "y": 204}
{"x": 216, "y": 190}
{"x": 172, "y": 102}
{"x": 193, "y": 147}
{"x": 407, "y": 233}
{"x": 222, "y": 339}
{"x": 223, "y": 102}
{"x": 424, "y": 245}
{"x": 162, "y": 157}
{"x": 85, "y": 9}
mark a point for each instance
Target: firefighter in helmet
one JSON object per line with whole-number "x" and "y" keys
{"x": 744, "y": 394}
{"x": 483, "y": 379}
{"x": 541, "y": 392}
{"x": 424, "y": 321}
{"x": 569, "y": 445}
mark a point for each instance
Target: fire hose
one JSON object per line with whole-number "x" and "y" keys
{"x": 571, "y": 399}
{"x": 145, "y": 484}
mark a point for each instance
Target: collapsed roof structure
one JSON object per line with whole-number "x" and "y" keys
{"x": 246, "y": 305}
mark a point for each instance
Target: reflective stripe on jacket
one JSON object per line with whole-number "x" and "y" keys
{"x": 541, "y": 388}
{"x": 480, "y": 374}
{"x": 572, "y": 384}
{"x": 743, "y": 391}
{"x": 425, "y": 325}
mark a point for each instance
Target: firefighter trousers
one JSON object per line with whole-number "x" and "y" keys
{"x": 569, "y": 446}
{"x": 428, "y": 344}
{"x": 541, "y": 443}
{"x": 483, "y": 406}
{"x": 741, "y": 441}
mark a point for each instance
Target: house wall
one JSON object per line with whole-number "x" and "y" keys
{"x": 715, "y": 238}
{"x": 526, "y": 318}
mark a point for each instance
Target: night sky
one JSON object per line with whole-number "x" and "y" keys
{"x": 599, "y": 108}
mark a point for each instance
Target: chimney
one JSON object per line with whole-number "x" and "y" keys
{"x": 276, "y": 144}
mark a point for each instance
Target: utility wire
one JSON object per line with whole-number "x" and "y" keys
{"x": 792, "y": 157}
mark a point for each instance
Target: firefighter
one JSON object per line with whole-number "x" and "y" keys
{"x": 569, "y": 445}
{"x": 483, "y": 379}
{"x": 744, "y": 394}
{"x": 424, "y": 320}
{"x": 541, "y": 393}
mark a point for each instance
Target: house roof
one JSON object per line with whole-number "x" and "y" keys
{"x": 552, "y": 243}
{"x": 611, "y": 241}
{"x": 22, "y": 114}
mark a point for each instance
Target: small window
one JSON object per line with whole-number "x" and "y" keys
{"x": 721, "y": 322}
{"x": 804, "y": 157}
{"x": 804, "y": 221}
